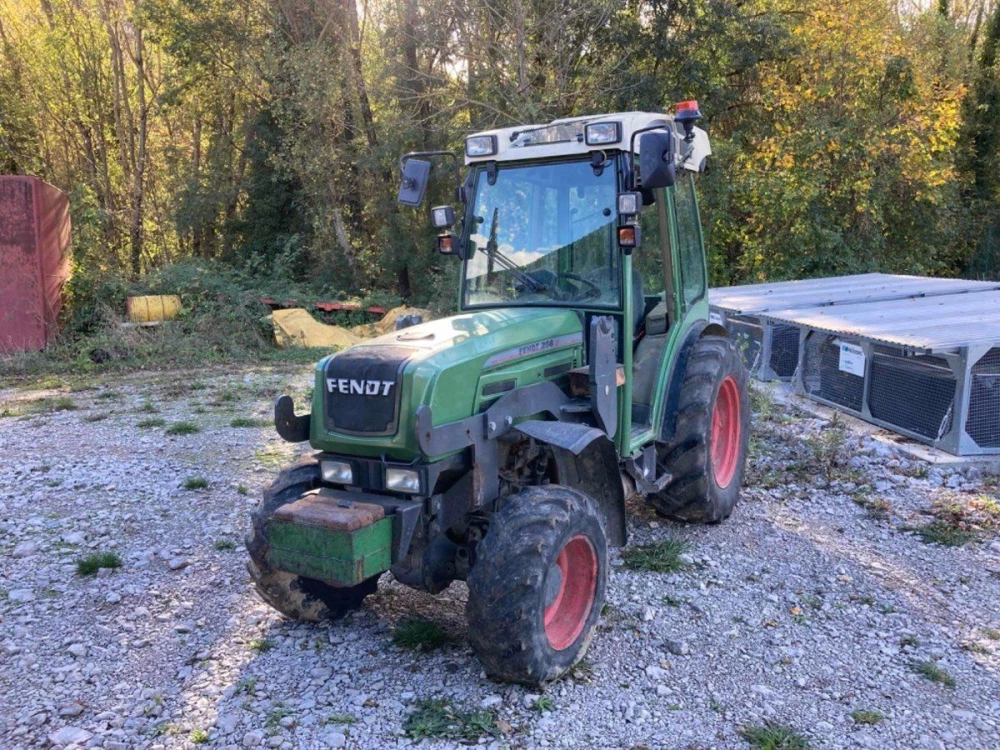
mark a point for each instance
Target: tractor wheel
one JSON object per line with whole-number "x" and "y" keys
{"x": 708, "y": 452}
{"x": 296, "y": 596}
{"x": 537, "y": 587}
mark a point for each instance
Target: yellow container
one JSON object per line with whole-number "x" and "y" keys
{"x": 153, "y": 309}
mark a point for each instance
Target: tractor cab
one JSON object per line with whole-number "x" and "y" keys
{"x": 598, "y": 214}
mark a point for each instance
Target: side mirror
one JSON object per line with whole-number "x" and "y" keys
{"x": 416, "y": 175}
{"x": 656, "y": 159}
{"x": 443, "y": 217}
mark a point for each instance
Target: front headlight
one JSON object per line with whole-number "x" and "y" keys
{"x": 403, "y": 480}
{"x": 481, "y": 145}
{"x": 600, "y": 133}
{"x": 336, "y": 472}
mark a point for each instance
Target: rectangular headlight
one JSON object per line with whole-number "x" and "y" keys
{"x": 601, "y": 133}
{"x": 336, "y": 472}
{"x": 481, "y": 145}
{"x": 629, "y": 204}
{"x": 402, "y": 480}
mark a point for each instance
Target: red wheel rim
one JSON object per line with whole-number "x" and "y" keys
{"x": 569, "y": 606}
{"x": 726, "y": 432}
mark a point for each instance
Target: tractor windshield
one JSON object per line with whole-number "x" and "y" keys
{"x": 543, "y": 234}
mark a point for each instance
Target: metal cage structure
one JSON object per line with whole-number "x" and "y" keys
{"x": 771, "y": 347}
{"x": 927, "y": 368}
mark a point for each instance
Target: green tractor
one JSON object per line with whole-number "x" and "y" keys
{"x": 501, "y": 445}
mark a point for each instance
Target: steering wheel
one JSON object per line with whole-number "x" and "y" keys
{"x": 593, "y": 291}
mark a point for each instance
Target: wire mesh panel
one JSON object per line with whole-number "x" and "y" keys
{"x": 749, "y": 338}
{"x": 983, "y": 423}
{"x": 784, "y": 356}
{"x": 915, "y": 393}
{"x": 824, "y": 375}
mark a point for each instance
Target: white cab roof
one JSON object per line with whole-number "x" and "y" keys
{"x": 515, "y": 143}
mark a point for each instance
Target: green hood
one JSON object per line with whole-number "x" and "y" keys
{"x": 376, "y": 386}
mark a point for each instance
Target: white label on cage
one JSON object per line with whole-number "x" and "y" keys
{"x": 852, "y": 359}
{"x": 714, "y": 317}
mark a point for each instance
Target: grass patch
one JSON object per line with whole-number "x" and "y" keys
{"x": 49, "y": 405}
{"x": 224, "y": 545}
{"x": 866, "y": 716}
{"x": 248, "y": 422}
{"x": 414, "y": 634}
{"x": 275, "y": 715}
{"x": 972, "y": 513}
{"x": 262, "y": 645}
{"x": 992, "y": 633}
{"x": 543, "y": 704}
{"x": 932, "y": 672}
{"x": 89, "y": 565}
{"x": 339, "y": 718}
{"x": 183, "y": 428}
{"x": 198, "y": 736}
{"x": 195, "y": 483}
{"x": 147, "y": 407}
{"x": 436, "y": 719}
{"x": 942, "y": 533}
{"x": 246, "y": 685}
{"x": 975, "y": 648}
{"x": 658, "y": 557}
{"x": 827, "y": 451}
{"x": 771, "y": 736}
{"x": 241, "y": 489}
{"x": 145, "y": 424}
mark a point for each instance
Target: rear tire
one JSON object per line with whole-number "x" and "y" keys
{"x": 537, "y": 587}
{"x": 707, "y": 455}
{"x": 296, "y": 596}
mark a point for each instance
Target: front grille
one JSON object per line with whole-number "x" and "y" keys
{"x": 362, "y": 390}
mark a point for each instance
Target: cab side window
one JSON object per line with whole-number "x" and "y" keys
{"x": 648, "y": 258}
{"x": 692, "y": 256}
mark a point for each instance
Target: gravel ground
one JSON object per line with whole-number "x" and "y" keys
{"x": 811, "y": 603}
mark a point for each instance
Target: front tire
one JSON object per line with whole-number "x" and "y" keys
{"x": 537, "y": 587}
{"x": 707, "y": 455}
{"x": 295, "y": 596}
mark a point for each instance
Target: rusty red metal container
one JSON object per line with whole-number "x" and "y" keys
{"x": 34, "y": 261}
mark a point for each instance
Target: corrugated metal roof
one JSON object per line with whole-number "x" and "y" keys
{"x": 869, "y": 287}
{"x": 923, "y": 323}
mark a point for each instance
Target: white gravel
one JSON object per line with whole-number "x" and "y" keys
{"x": 800, "y": 609}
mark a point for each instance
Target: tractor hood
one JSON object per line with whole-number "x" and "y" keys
{"x": 366, "y": 396}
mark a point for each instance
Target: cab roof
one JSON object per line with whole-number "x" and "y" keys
{"x": 566, "y": 137}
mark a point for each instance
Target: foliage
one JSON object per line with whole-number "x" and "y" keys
{"x": 232, "y": 149}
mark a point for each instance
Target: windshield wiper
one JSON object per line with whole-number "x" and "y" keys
{"x": 492, "y": 252}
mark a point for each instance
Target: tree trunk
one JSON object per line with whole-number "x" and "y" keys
{"x": 138, "y": 186}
